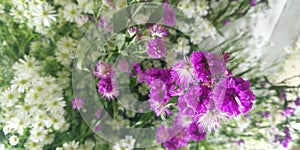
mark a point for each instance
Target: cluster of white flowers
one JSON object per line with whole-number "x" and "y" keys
{"x": 74, "y": 12}
{"x": 195, "y": 9}
{"x": 73, "y": 145}
{"x": 66, "y": 47}
{"x": 127, "y": 143}
{"x": 37, "y": 14}
{"x": 201, "y": 28}
{"x": 32, "y": 103}
{"x": 41, "y": 15}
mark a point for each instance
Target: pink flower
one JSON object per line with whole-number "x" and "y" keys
{"x": 159, "y": 98}
{"x": 156, "y": 48}
{"x": 158, "y": 31}
{"x": 108, "y": 88}
{"x": 288, "y": 111}
{"x": 169, "y": 15}
{"x": 97, "y": 113}
{"x": 132, "y": 31}
{"x": 103, "y": 70}
{"x": 78, "y": 103}
{"x": 182, "y": 73}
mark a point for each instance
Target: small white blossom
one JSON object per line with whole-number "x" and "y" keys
{"x": 71, "y": 12}
{"x": 13, "y": 140}
{"x": 73, "y": 145}
{"x": 44, "y": 15}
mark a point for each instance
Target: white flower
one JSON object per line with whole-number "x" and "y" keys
{"x": 30, "y": 64}
{"x": 17, "y": 14}
{"x": 60, "y": 2}
{"x": 182, "y": 47}
{"x": 9, "y": 97}
{"x": 196, "y": 38}
{"x": 57, "y": 121}
{"x": 7, "y": 129}
{"x": 44, "y": 15}
{"x": 65, "y": 127}
{"x": 38, "y": 134}
{"x": 55, "y": 105}
{"x": 86, "y": 6}
{"x": 66, "y": 43}
{"x": 127, "y": 143}
{"x": 187, "y": 7}
{"x": 183, "y": 26}
{"x": 33, "y": 145}
{"x": 26, "y": 108}
{"x": 71, "y": 145}
{"x": 201, "y": 8}
{"x": 33, "y": 97}
{"x": 13, "y": 140}
{"x": 19, "y": 123}
{"x": 71, "y": 12}
{"x": 63, "y": 78}
{"x": 64, "y": 57}
{"x": 19, "y": 3}
{"x": 120, "y": 4}
{"x": 88, "y": 145}
{"x": 21, "y": 83}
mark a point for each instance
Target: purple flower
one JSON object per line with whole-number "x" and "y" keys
{"x": 162, "y": 134}
{"x": 226, "y": 22}
{"x": 157, "y": 73}
{"x": 253, "y": 2}
{"x": 197, "y": 133}
{"x": 287, "y": 138}
{"x": 97, "y": 128}
{"x": 194, "y": 101}
{"x": 240, "y": 142}
{"x": 97, "y": 113}
{"x": 297, "y": 102}
{"x": 156, "y": 48}
{"x": 201, "y": 69}
{"x": 132, "y": 31}
{"x": 276, "y": 138}
{"x": 266, "y": 114}
{"x": 102, "y": 23}
{"x": 288, "y": 112}
{"x": 159, "y": 98}
{"x": 169, "y": 15}
{"x": 108, "y": 88}
{"x": 182, "y": 73}
{"x": 179, "y": 140}
{"x": 158, "y": 31}
{"x": 233, "y": 96}
{"x": 103, "y": 70}
{"x": 182, "y": 120}
{"x": 282, "y": 94}
{"x": 78, "y": 103}
{"x": 216, "y": 65}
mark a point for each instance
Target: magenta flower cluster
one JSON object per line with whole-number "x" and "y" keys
{"x": 107, "y": 85}
{"x": 207, "y": 93}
